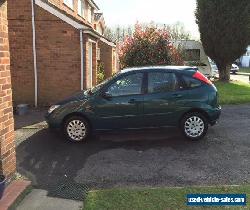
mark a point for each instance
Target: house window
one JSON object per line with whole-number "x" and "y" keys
{"x": 192, "y": 55}
{"x": 99, "y": 30}
{"x": 81, "y": 8}
{"x": 90, "y": 14}
{"x": 69, "y": 3}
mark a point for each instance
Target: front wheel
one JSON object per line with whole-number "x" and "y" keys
{"x": 194, "y": 126}
{"x": 76, "y": 129}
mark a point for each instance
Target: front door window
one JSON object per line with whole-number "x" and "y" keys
{"x": 128, "y": 85}
{"x": 124, "y": 109}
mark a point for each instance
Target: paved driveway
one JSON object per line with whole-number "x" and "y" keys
{"x": 145, "y": 158}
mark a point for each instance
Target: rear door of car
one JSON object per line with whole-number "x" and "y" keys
{"x": 162, "y": 94}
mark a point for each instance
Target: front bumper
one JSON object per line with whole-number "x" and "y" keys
{"x": 52, "y": 121}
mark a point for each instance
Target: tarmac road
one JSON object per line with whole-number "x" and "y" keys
{"x": 142, "y": 158}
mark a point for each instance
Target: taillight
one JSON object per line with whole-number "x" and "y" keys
{"x": 202, "y": 78}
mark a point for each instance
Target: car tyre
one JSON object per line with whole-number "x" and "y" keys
{"x": 76, "y": 129}
{"x": 194, "y": 126}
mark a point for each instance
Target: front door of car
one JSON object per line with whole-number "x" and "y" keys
{"x": 121, "y": 103}
{"x": 160, "y": 101}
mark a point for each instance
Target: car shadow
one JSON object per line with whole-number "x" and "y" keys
{"x": 49, "y": 161}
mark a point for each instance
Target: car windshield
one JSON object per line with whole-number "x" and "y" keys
{"x": 95, "y": 89}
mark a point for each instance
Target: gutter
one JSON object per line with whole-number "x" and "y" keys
{"x": 34, "y": 52}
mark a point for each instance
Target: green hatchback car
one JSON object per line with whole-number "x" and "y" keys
{"x": 139, "y": 98}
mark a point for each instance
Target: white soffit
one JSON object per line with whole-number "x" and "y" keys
{"x": 107, "y": 42}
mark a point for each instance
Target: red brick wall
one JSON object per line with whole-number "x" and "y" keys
{"x": 7, "y": 145}
{"x": 58, "y": 58}
{"x": 74, "y": 11}
{"x": 20, "y": 37}
{"x": 106, "y": 57}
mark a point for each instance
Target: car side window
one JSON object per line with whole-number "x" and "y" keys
{"x": 127, "y": 85}
{"x": 191, "y": 82}
{"x": 159, "y": 82}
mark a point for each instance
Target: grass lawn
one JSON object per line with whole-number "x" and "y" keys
{"x": 245, "y": 70}
{"x": 155, "y": 199}
{"x": 233, "y": 92}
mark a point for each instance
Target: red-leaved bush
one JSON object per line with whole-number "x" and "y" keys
{"x": 148, "y": 46}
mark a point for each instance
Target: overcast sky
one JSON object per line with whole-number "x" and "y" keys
{"x": 127, "y": 12}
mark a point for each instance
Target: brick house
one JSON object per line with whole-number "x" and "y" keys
{"x": 7, "y": 143}
{"x": 55, "y": 46}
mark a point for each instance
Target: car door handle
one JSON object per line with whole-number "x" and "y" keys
{"x": 177, "y": 95}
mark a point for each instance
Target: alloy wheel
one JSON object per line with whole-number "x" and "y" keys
{"x": 194, "y": 127}
{"x": 76, "y": 130}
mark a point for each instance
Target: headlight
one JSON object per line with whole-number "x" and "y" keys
{"x": 52, "y": 108}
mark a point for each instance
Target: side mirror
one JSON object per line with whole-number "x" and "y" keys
{"x": 106, "y": 95}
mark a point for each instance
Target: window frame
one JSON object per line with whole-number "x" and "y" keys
{"x": 89, "y": 13}
{"x": 82, "y": 14}
{"x": 125, "y": 75}
{"x": 184, "y": 84}
{"x": 189, "y": 54}
{"x": 71, "y": 5}
{"x": 180, "y": 84}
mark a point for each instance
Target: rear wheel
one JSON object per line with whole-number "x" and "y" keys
{"x": 194, "y": 126}
{"x": 76, "y": 129}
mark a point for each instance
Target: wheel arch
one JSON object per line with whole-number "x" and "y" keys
{"x": 77, "y": 114}
{"x": 198, "y": 110}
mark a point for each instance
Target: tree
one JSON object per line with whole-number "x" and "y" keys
{"x": 148, "y": 46}
{"x": 224, "y": 30}
{"x": 118, "y": 33}
{"x": 176, "y": 31}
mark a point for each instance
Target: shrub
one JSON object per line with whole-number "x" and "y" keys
{"x": 100, "y": 73}
{"x": 148, "y": 45}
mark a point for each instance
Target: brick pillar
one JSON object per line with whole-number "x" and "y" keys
{"x": 7, "y": 144}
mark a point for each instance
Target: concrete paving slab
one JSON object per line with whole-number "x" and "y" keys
{"x": 38, "y": 200}
{"x": 12, "y": 192}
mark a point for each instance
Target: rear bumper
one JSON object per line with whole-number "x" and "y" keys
{"x": 214, "y": 115}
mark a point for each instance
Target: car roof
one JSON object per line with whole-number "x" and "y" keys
{"x": 171, "y": 68}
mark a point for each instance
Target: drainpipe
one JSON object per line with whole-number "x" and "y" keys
{"x": 81, "y": 47}
{"x": 34, "y": 50}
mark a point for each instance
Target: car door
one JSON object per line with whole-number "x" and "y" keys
{"x": 121, "y": 105}
{"x": 163, "y": 92}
